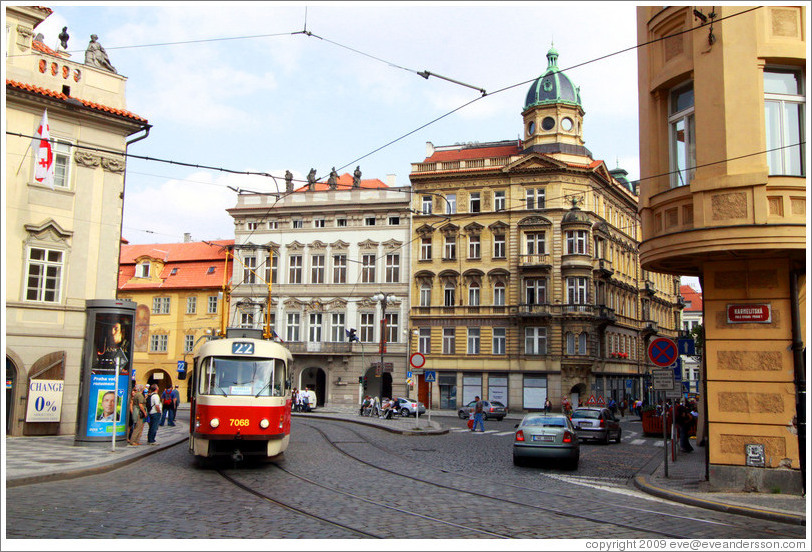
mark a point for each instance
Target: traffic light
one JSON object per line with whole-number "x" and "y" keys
{"x": 365, "y": 382}
{"x": 360, "y": 379}
{"x": 351, "y": 335}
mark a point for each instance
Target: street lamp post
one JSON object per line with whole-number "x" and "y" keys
{"x": 383, "y": 298}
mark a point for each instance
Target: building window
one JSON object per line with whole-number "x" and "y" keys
{"x": 499, "y": 247}
{"x": 44, "y": 275}
{"x": 424, "y": 341}
{"x": 273, "y": 225}
{"x": 450, "y": 251}
{"x": 253, "y": 225}
{"x": 247, "y": 320}
{"x": 535, "y": 198}
{"x": 576, "y": 242}
{"x": 425, "y": 296}
{"x": 784, "y": 105}
{"x": 341, "y": 222}
{"x": 426, "y": 205}
{"x": 451, "y": 204}
{"x": 499, "y": 200}
{"x": 368, "y": 269}
{"x": 191, "y": 305}
{"x": 318, "y": 223}
{"x": 499, "y": 340}
{"x": 271, "y": 268}
{"x": 576, "y": 291}
{"x": 317, "y": 269}
{"x": 158, "y": 343}
{"x": 297, "y": 224}
{"x": 337, "y": 327}
{"x": 535, "y": 243}
{"x": 160, "y": 305}
{"x": 394, "y": 220}
{"x": 535, "y": 291}
{"x": 392, "y": 319}
{"x": 473, "y": 294}
{"x": 473, "y": 341}
{"x": 210, "y": 270}
{"x": 295, "y": 269}
{"x": 188, "y": 343}
{"x": 499, "y": 294}
{"x": 535, "y": 341}
{"x": 367, "y": 327}
{"x": 369, "y": 221}
{"x": 448, "y": 295}
{"x": 681, "y": 135}
{"x": 448, "y": 341}
{"x": 62, "y": 163}
{"x": 473, "y": 202}
{"x": 425, "y": 249}
{"x": 392, "y": 268}
{"x": 142, "y": 270}
{"x": 212, "y": 304}
{"x": 315, "y": 327}
{"x": 340, "y": 269}
{"x": 249, "y": 270}
{"x": 294, "y": 322}
{"x": 473, "y": 247}
{"x": 576, "y": 345}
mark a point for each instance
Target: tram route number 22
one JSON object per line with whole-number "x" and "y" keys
{"x": 242, "y": 348}
{"x": 240, "y": 422}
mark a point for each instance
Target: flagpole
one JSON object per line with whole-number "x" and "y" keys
{"x": 23, "y": 159}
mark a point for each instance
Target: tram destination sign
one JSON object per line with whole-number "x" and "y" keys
{"x": 753, "y": 313}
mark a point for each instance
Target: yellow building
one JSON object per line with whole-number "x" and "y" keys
{"x": 62, "y": 240}
{"x": 526, "y": 280}
{"x": 723, "y": 197}
{"x": 177, "y": 289}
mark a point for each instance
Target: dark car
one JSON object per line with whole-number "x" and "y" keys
{"x": 491, "y": 410}
{"x": 546, "y": 437}
{"x": 598, "y": 423}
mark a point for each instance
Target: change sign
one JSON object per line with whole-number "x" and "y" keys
{"x": 44, "y": 400}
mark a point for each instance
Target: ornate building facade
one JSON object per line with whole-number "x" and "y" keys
{"x": 328, "y": 250}
{"x": 723, "y": 197}
{"x": 526, "y": 279}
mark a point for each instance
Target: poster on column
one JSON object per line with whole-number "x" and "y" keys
{"x": 106, "y": 407}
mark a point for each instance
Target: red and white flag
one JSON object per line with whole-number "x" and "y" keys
{"x": 43, "y": 154}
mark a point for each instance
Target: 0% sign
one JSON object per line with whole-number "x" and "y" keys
{"x": 44, "y": 400}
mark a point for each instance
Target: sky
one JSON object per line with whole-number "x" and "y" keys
{"x": 341, "y": 96}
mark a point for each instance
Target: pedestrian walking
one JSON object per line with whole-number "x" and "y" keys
{"x": 153, "y": 413}
{"x": 138, "y": 413}
{"x": 548, "y": 405}
{"x": 623, "y": 405}
{"x": 478, "y": 414}
{"x": 175, "y": 403}
{"x": 684, "y": 422}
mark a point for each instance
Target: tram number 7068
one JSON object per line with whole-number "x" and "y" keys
{"x": 242, "y": 348}
{"x": 239, "y": 422}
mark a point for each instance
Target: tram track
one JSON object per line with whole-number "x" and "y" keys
{"x": 631, "y": 509}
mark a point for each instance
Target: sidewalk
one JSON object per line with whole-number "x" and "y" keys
{"x": 39, "y": 459}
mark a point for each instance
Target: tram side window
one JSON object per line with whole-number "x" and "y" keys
{"x": 242, "y": 377}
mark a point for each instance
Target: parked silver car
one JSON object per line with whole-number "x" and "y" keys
{"x": 409, "y": 407}
{"x": 546, "y": 436}
{"x": 491, "y": 410}
{"x": 596, "y": 423}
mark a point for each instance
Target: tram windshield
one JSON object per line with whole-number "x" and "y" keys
{"x": 241, "y": 376}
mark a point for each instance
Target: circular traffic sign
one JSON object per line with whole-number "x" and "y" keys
{"x": 663, "y": 352}
{"x": 417, "y": 360}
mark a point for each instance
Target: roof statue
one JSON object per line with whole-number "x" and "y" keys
{"x": 332, "y": 181}
{"x": 311, "y": 179}
{"x": 356, "y": 177}
{"x": 63, "y": 38}
{"x": 96, "y": 56}
{"x": 288, "y": 181}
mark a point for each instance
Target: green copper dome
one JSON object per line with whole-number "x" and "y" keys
{"x": 553, "y": 86}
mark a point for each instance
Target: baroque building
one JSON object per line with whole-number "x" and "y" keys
{"x": 62, "y": 241}
{"x": 177, "y": 288}
{"x": 327, "y": 250}
{"x": 724, "y": 176}
{"x": 526, "y": 281}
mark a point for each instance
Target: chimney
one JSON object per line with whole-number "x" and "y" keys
{"x": 187, "y": 237}
{"x": 391, "y": 180}
{"x": 429, "y": 149}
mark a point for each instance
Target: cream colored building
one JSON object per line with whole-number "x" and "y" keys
{"x": 526, "y": 282}
{"x": 62, "y": 244}
{"x": 724, "y": 176}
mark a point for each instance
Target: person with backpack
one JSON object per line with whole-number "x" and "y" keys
{"x": 166, "y": 406}
{"x": 138, "y": 414}
{"x": 153, "y": 413}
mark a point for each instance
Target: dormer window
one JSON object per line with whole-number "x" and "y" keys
{"x": 210, "y": 270}
{"x": 174, "y": 271}
{"x": 142, "y": 270}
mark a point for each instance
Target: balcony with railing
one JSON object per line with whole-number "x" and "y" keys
{"x": 460, "y": 164}
{"x": 539, "y": 260}
{"x": 435, "y": 310}
{"x": 603, "y": 268}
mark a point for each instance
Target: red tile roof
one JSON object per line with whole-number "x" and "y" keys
{"x": 473, "y": 153}
{"x": 60, "y": 96}
{"x": 692, "y": 296}
{"x": 41, "y": 47}
{"x": 345, "y": 183}
{"x": 192, "y": 261}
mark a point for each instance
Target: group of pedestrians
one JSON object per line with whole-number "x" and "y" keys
{"x": 385, "y": 409}
{"x": 303, "y": 400}
{"x": 147, "y": 406}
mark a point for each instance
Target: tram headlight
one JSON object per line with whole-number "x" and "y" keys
{"x": 264, "y": 423}
{"x": 214, "y": 422}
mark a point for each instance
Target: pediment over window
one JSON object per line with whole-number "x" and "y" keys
{"x": 295, "y": 246}
{"x": 317, "y": 244}
{"x": 499, "y": 275}
{"x": 337, "y": 304}
{"x": 368, "y": 244}
{"x": 273, "y": 245}
{"x": 535, "y": 220}
{"x": 498, "y": 228}
{"x": 474, "y": 229}
{"x": 314, "y": 305}
{"x": 534, "y": 161}
{"x": 340, "y": 244}
{"x": 450, "y": 229}
{"x": 48, "y": 231}
{"x": 293, "y": 304}
{"x": 425, "y": 230}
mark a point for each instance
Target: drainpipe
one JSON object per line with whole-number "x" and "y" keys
{"x": 799, "y": 362}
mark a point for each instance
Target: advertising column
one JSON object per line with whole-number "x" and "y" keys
{"x": 106, "y": 369}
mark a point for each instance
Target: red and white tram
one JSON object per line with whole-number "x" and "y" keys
{"x": 241, "y": 399}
